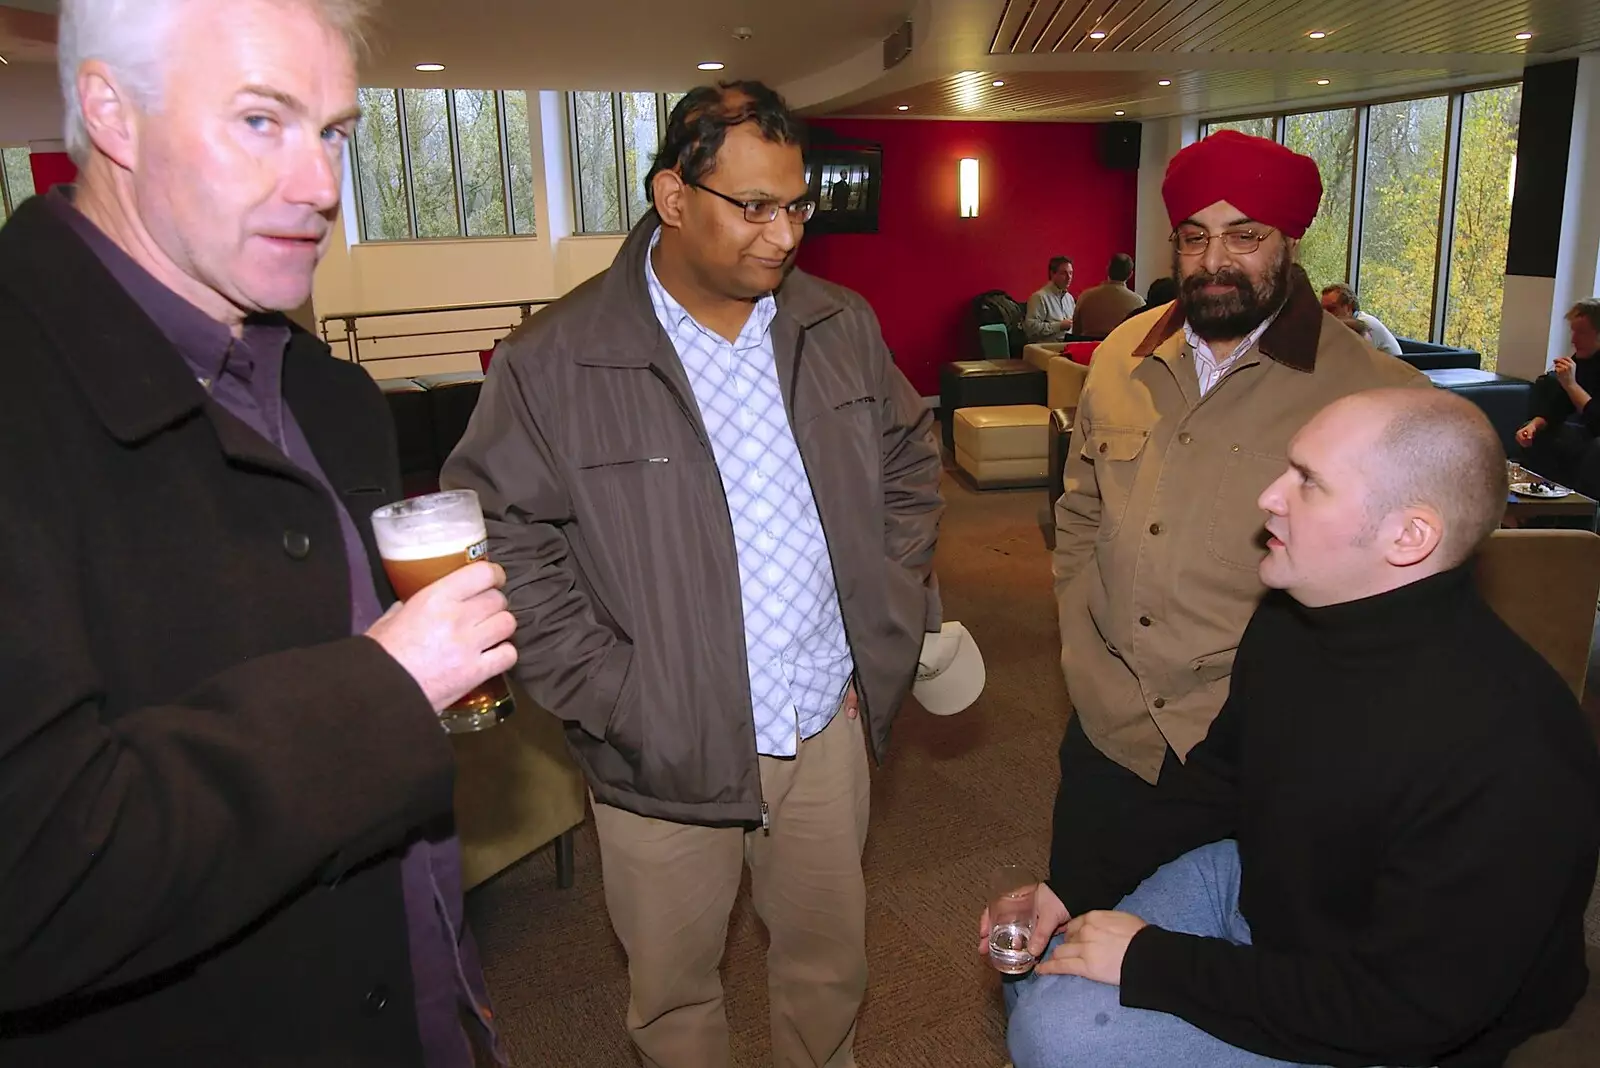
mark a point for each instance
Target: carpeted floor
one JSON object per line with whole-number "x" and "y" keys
{"x": 957, "y": 796}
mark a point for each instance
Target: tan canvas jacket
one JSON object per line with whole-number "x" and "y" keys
{"x": 1158, "y": 535}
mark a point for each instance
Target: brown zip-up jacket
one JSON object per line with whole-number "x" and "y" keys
{"x": 605, "y": 507}
{"x": 1158, "y": 536}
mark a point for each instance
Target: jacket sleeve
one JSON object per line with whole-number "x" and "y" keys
{"x": 137, "y": 839}
{"x": 570, "y": 662}
{"x": 1078, "y": 508}
{"x": 911, "y": 468}
{"x": 1457, "y": 918}
{"x": 1548, "y": 400}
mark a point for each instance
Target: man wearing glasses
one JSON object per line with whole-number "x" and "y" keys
{"x": 1185, "y": 419}
{"x": 716, "y": 500}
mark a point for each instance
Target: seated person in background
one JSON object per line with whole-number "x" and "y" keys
{"x": 1051, "y": 309}
{"x": 1102, "y": 308}
{"x": 1558, "y": 439}
{"x": 1386, "y": 850}
{"x": 1162, "y": 291}
{"x": 1339, "y": 301}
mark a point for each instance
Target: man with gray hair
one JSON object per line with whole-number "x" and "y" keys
{"x": 226, "y": 789}
{"x": 1384, "y": 849}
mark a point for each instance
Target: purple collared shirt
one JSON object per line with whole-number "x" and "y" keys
{"x": 244, "y": 375}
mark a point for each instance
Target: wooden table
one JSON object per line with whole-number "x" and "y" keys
{"x": 1573, "y": 506}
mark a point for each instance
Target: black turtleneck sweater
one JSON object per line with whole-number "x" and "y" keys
{"x": 1416, "y": 798}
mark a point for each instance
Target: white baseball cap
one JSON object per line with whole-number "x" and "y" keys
{"x": 950, "y": 673}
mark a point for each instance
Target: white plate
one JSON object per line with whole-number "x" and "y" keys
{"x": 1539, "y": 489}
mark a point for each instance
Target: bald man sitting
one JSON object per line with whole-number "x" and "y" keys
{"x": 1401, "y": 798}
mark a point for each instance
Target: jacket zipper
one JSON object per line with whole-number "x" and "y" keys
{"x": 861, "y": 696}
{"x": 738, "y": 594}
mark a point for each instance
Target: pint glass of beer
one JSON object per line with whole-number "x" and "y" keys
{"x": 421, "y": 541}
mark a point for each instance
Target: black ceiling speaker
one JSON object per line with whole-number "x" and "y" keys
{"x": 1119, "y": 146}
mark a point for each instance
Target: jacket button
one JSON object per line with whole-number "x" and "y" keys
{"x": 1184, "y": 438}
{"x": 377, "y": 998}
{"x": 1144, "y": 621}
{"x": 1160, "y": 702}
{"x": 1155, "y": 528}
{"x": 297, "y": 544}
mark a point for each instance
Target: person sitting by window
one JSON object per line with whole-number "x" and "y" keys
{"x": 1558, "y": 440}
{"x": 1383, "y": 847}
{"x": 1339, "y": 301}
{"x": 1051, "y": 309}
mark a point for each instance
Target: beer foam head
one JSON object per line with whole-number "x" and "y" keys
{"x": 437, "y": 524}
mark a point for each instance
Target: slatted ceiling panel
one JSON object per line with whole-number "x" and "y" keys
{"x": 1386, "y": 27}
{"x": 1094, "y": 95}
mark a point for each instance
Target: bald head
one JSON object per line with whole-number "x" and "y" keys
{"x": 1383, "y": 489}
{"x": 1434, "y": 449}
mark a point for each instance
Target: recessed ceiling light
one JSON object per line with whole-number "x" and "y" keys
{"x": 1317, "y": 35}
{"x": 1524, "y": 36}
{"x": 709, "y": 66}
{"x": 1119, "y": 113}
{"x": 998, "y": 83}
{"x": 1322, "y": 81}
{"x": 903, "y": 107}
{"x": 1165, "y": 81}
{"x": 1097, "y": 35}
{"x": 430, "y": 68}
{"x": 4, "y": 62}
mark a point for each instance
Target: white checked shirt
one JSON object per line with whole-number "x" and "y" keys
{"x": 1210, "y": 370}
{"x": 798, "y": 659}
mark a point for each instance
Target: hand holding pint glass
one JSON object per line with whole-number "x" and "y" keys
{"x": 451, "y": 630}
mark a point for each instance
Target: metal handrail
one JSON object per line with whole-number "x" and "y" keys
{"x": 353, "y": 337}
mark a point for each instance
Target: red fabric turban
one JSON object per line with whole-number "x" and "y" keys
{"x": 1261, "y": 178}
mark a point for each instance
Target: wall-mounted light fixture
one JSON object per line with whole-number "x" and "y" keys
{"x": 968, "y": 174}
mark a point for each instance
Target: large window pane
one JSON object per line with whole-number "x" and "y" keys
{"x": 1254, "y": 127}
{"x": 640, "y": 142}
{"x": 595, "y": 128}
{"x": 482, "y": 179}
{"x": 385, "y": 215}
{"x": 1329, "y": 137}
{"x": 671, "y": 102}
{"x": 1483, "y": 220}
{"x": 1400, "y": 223}
{"x": 519, "y": 147}
{"x": 433, "y": 177}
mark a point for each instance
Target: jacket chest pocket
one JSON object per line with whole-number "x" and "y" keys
{"x": 1238, "y": 535}
{"x": 1115, "y": 452}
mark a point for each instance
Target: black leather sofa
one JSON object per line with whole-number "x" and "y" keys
{"x": 1504, "y": 400}
{"x": 1426, "y": 356}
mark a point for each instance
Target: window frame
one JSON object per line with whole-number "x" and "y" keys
{"x": 1450, "y": 165}
{"x": 408, "y": 183}
{"x": 619, "y": 146}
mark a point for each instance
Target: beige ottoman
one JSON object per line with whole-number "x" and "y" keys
{"x": 1007, "y": 445}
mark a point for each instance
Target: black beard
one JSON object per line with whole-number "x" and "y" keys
{"x": 1234, "y": 314}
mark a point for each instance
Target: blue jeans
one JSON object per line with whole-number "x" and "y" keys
{"x": 1064, "y": 1021}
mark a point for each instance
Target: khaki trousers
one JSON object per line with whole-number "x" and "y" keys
{"x": 670, "y": 888}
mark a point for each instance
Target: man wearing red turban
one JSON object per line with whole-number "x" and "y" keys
{"x": 1184, "y": 421}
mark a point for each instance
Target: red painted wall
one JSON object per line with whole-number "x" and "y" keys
{"x": 51, "y": 168}
{"x": 1042, "y": 192}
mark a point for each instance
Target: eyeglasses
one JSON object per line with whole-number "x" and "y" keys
{"x": 1193, "y": 241}
{"x": 762, "y": 212}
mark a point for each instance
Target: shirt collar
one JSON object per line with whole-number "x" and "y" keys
{"x": 673, "y": 315}
{"x": 206, "y": 345}
{"x": 1199, "y": 344}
